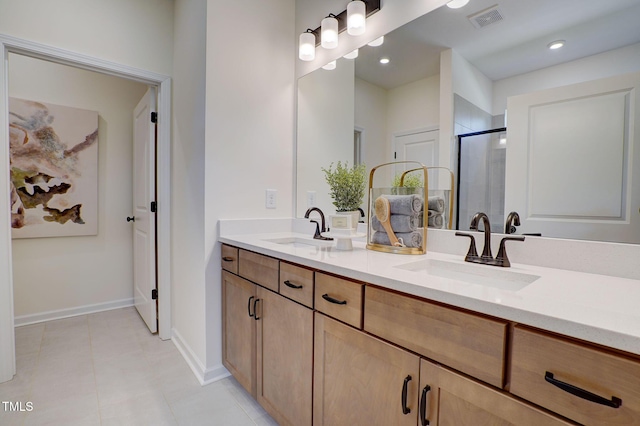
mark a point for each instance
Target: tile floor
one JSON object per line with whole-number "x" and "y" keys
{"x": 107, "y": 369}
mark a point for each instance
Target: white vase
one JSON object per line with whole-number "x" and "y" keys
{"x": 355, "y": 216}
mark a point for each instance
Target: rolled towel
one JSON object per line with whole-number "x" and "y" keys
{"x": 399, "y": 223}
{"x": 409, "y": 239}
{"x": 436, "y": 203}
{"x": 436, "y": 220}
{"x": 405, "y": 204}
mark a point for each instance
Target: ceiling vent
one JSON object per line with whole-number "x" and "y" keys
{"x": 486, "y": 17}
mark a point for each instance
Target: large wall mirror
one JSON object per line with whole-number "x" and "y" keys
{"x": 570, "y": 157}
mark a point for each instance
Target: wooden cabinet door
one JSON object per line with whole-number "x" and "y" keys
{"x": 453, "y": 400}
{"x": 284, "y": 358}
{"x": 359, "y": 380}
{"x": 239, "y": 330}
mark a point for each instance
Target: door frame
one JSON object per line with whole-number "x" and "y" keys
{"x": 10, "y": 44}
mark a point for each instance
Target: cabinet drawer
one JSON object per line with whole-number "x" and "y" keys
{"x": 469, "y": 343}
{"x": 339, "y": 298}
{"x": 230, "y": 258}
{"x": 260, "y": 269}
{"x": 296, "y": 283}
{"x": 604, "y": 375}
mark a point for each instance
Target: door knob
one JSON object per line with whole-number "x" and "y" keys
{"x": 131, "y": 219}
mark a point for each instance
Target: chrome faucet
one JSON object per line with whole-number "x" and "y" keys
{"x": 486, "y": 251}
{"x": 318, "y": 233}
{"x": 487, "y": 258}
{"x": 513, "y": 220}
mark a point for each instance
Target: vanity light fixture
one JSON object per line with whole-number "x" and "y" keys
{"x": 356, "y": 18}
{"x": 326, "y": 35}
{"x": 457, "y": 4}
{"x": 384, "y": 60}
{"x": 329, "y": 32}
{"x": 351, "y": 55}
{"x": 330, "y": 66}
{"x": 377, "y": 42}
{"x": 555, "y": 44}
{"x": 307, "y": 46}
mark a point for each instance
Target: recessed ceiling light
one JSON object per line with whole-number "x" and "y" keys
{"x": 384, "y": 61}
{"x": 555, "y": 44}
{"x": 457, "y": 4}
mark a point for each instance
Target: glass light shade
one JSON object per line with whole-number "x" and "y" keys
{"x": 329, "y": 33}
{"x": 457, "y": 4}
{"x": 351, "y": 55}
{"x": 356, "y": 18}
{"x": 307, "y": 47}
{"x": 377, "y": 42}
{"x": 330, "y": 66}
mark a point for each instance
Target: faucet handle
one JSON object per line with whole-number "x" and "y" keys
{"x": 501, "y": 258}
{"x": 472, "y": 253}
{"x": 317, "y": 233}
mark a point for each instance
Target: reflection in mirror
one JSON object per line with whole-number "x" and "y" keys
{"x": 453, "y": 71}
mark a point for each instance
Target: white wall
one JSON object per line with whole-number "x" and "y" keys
{"x": 371, "y": 116}
{"x": 608, "y": 64}
{"x": 471, "y": 84}
{"x": 67, "y": 273}
{"x": 325, "y": 123}
{"x": 188, "y": 182}
{"x": 414, "y": 106}
{"x": 136, "y": 33}
{"x": 249, "y": 134}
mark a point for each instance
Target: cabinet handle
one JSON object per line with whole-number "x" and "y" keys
{"x": 581, "y": 393}
{"x": 249, "y": 307}
{"x": 423, "y": 406}
{"x": 405, "y": 409}
{"x": 255, "y": 313}
{"x": 228, "y": 259}
{"x": 289, "y": 284}
{"x": 332, "y": 300}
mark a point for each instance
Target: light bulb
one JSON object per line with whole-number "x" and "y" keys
{"x": 351, "y": 55}
{"x": 329, "y": 33}
{"x": 384, "y": 61}
{"x": 377, "y": 42}
{"x": 457, "y": 4}
{"x": 330, "y": 66}
{"x": 356, "y": 18}
{"x": 556, "y": 44}
{"x": 307, "y": 47}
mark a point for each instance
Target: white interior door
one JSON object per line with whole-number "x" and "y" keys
{"x": 572, "y": 160}
{"x": 419, "y": 146}
{"x": 144, "y": 235}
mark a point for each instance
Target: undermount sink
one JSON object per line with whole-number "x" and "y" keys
{"x": 300, "y": 242}
{"x": 472, "y": 274}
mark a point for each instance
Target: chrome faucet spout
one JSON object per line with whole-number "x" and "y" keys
{"x": 486, "y": 251}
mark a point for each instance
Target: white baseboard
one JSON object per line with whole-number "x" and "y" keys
{"x": 71, "y": 312}
{"x": 204, "y": 376}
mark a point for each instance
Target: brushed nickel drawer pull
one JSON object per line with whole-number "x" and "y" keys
{"x": 332, "y": 300}
{"x": 581, "y": 393}
{"x": 289, "y": 284}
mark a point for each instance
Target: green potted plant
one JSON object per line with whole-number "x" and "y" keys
{"x": 347, "y": 187}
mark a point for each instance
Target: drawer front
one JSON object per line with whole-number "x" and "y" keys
{"x": 296, "y": 283}
{"x": 469, "y": 343}
{"x": 230, "y": 258}
{"x": 339, "y": 298}
{"x": 604, "y": 375}
{"x": 262, "y": 270}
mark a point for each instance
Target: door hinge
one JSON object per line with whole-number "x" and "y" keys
{"x": 394, "y": 155}
{"x": 154, "y": 117}
{"x": 154, "y": 294}
{"x": 154, "y": 207}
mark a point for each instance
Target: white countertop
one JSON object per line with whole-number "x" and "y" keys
{"x": 595, "y": 308}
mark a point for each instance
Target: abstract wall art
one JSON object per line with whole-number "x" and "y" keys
{"x": 54, "y": 170}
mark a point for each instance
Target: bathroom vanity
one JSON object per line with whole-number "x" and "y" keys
{"x": 324, "y": 337}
